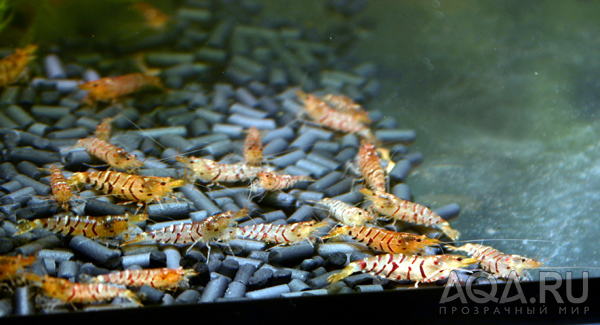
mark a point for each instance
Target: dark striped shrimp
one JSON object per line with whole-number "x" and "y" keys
{"x": 91, "y": 227}
{"x": 370, "y": 167}
{"x": 140, "y": 189}
{"x": 80, "y": 293}
{"x": 160, "y": 278}
{"x": 14, "y": 66}
{"x": 219, "y": 227}
{"x": 345, "y": 213}
{"x": 275, "y": 182}
{"x": 280, "y": 234}
{"x": 393, "y": 207}
{"x": 253, "y": 147}
{"x": 11, "y": 267}
{"x": 109, "y": 89}
{"x": 114, "y": 156}
{"x": 397, "y": 267}
{"x": 347, "y": 105}
{"x": 385, "y": 240}
{"x": 61, "y": 191}
{"x": 210, "y": 171}
{"x": 498, "y": 263}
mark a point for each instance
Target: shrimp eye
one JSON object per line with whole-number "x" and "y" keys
{"x": 163, "y": 183}
{"x": 419, "y": 240}
{"x": 459, "y": 259}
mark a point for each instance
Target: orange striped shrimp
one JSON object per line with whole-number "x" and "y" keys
{"x": 498, "y": 263}
{"x": 210, "y": 171}
{"x": 12, "y": 266}
{"x": 80, "y": 293}
{"x": 397, "y": 267}
{"x": 370, "y": 167}
{"x": 393, "y": 207}
{"x": 116, "y": 157}
{"x": 275, "y": 182}
{"x": 14, "y": 66}
{"x": 160, "y": 278}
{"x": 347, "y": 105}
{"x": 385, "y": 240}
{"x": 253, "y": 147}
{"x": 214, "y": 228}
{"x": 108, "y": 89}
{"x": 140, "y": 189}
{"x": 345, "y": 213}
{"x": 91, "y": 227}
{"x": 289, "y": 234}
{"x": 323, "y": 114}
{"x": 61, "y": 191}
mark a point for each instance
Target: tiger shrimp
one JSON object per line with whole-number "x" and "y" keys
{"x": 61, "y": 191}
{"x": 253, "y": 147}
{"x": 275, "y": 182}
{"x": 347, "y": 105}
{"x": 140, "y": 189}
{"x": 499, "y": 264}
{"x": 91, "y": 227}
{"x": 370, "y": 167}
{"x": 220, "y": 227}
{"x": 11, "y": 267}
{"x": 160, "y": 278}
{"x": 14, "y": 66}
{"x": 109, "y": 89}
{"x": 385, "y": 240}
{"x": 210, "y": 171}
{"x": 393, "y": 207}
{"x": 397, "y": 267}
{"x": 289, "y": 234}
{"x": 114, "y": 156}
{"x": 345, "y": 213}
{"x": 80, "y": 293}
{"x": 320, "y": 112}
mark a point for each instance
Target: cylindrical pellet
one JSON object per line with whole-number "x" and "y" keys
{"x": 96, "y": 252}
{"x": 24, "y": 301}
{"x": 215, "y": 288}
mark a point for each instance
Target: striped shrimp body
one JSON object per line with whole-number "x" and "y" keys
{"x": 61, "y": 191}
{"x": 347, "y": 105}
{"x": 108, "y": 89}
{"x": 91, "y": 227}
{"x": 397, "y": 267}
{"x": 160, "y": 278}
{"x": 12, "y": 266}
{"x": 345, "y": 213}
{"x": 289, "y": 234}
{"x": 116, "y": 157}
{"x": 253, "y": 147}
{"x": 275, "y": 182}
{"x": 81, "y": 293}
{"x": 370, "y": 167}
{"x": 386, "y": 240}
{"x": 14, "y": 66}
{"x": 220, "y": 227}
{"x": 393, "y": 207}
{"x": 210, "y": 171}
{"x": 498, "y": 263}
{"x": 140, "y": 189}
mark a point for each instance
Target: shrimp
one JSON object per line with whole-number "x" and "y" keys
{"x": 104, "y": 129}
{"x": 80, "y": 293}
{"x": 160, "y": 278}
{"x": 385, "y": 240}
{"x": 108, "y": 89}
{"x": 219, "y": 227}
{"x": 498, "y": 263}
{"x": 289, "y": 234}
{"x": 12, "y": 266}
{"x": 345, "y": 213}
{"x": 140, "y": 189}
{"x": 400, "y": 266}
{"x": 155, "y": 18}
{"x": 347, "y": 105}
{"x": 14, "y": 66}
{"x": 274, "y": 182}
{"x": 393, "y": 207}
{"x": 323, "y": 114}
{"x": 210, "y": 171}
{"x": 253, "y": 147}
{"x": 370, "y": 167}
{"x": 61, "y": 191}
{"x": 91, "y": 227}
{"x": 116, "y": 157}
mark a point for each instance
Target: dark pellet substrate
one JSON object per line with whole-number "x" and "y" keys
{"x": 223, "y": 79}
